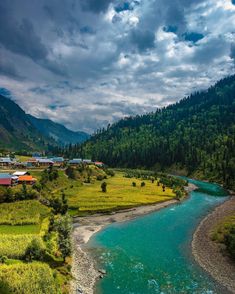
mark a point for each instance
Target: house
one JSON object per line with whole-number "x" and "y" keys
{"x": 75, "y": 161}
{"x": 99, "y": 163}
{"x": 6, "y": 161}
{"x": 27, "y": 180}
{"x": 45, "y": 162}
{"x": 58, "y": 161}
{"x": 31, "y": 162}
{"x": 20, "y": 164}
{"x": 87, "y": 161}
{"x": 7, "y": 179}
{"x": 20, "y": 173}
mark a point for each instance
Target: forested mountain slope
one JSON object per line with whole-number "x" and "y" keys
{"x": 16, "y": 130}
{"x": 58, "y": 132}
{"x": 197, "y": 134}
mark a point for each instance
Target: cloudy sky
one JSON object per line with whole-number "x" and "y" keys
{"x": 86, "y": 63}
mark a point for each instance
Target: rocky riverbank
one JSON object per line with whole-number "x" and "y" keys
{"x": 208, "y": 253}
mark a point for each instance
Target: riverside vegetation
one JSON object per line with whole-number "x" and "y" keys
{"x": 35, "y": 225}
{"x": 224, "y": 233}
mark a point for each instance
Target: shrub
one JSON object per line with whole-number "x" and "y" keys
{"x": 142, "y": 184}
{"x": 104, "y": 187}
{"x": 134, "y": 184}
{"x": 35, "y": 250}
{"x": 71, "y": 172}
{"x": 3, "y": 259}
{"x": 99, "y": 177}
{"x": 230, "y": 241}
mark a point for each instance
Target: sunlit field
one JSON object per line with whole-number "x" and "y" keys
{"x": 120, "y": 194}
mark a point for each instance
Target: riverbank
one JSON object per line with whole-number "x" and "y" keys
{"x": 208, "y": 253}
{"x": 83, "y": 268}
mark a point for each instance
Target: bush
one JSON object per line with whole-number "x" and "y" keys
{"x": 230, "y": 241}
{"x": 35, "y": 250}
{"x": 71, "y": 172}
{"x": 3, "y": 259}
{"x": 134, "y": 184}
{"x": 142, "y": 184}
{"x": 99, "y": 177}
{"x": 104, "y": 187}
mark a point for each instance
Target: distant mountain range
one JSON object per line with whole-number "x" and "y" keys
{"x": 58, "y": 132}
{"x": 20, "y": 131}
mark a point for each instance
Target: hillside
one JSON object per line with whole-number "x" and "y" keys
{"x": 16, "y": 130}
{"x": 58, "y": 132}
{"x": 196, "y": 134}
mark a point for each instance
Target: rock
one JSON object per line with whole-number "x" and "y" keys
{"x": 102, "y": 271}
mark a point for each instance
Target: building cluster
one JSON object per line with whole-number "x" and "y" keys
{"x": 18, "y": 177}
{"x": 45, "y": 162}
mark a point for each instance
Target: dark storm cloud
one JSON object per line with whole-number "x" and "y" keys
{"x": 193, "y": 37}
{"x": 143, "y": 39}
{"x": 20, "y": 37}
{"x": 233, "y": 52}
{"x": 96, "y": 6}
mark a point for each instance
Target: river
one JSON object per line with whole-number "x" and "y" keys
{"x": 152, "y": 254}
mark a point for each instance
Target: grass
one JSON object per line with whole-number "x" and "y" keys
{"x": 32, "y": 278}
{"x": 29, "y": 212}
{"x": 19, "y": 230}
{"x": 14, "y": 246}
{"x": 120, "y": 194}
{"x": 223, "y": 228}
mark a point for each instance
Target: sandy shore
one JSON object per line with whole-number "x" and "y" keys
{"x": 208, "y": 253}
{"x": 83, "y": 269}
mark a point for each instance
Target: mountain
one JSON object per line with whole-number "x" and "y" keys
{"x": 195, "y": 135}
{"x": 20, "y": 131}
{"x": 16, "y": 130}
{"x": 58, "y": 132}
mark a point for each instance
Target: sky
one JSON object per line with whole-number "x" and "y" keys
{"x": 87, "y": 63}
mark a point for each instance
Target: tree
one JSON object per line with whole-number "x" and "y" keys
{"x": 134, "y": 184}
{"x": 63, "y": 225}
{"x": 104, "y": 187}
{"x": 142, "y": 184}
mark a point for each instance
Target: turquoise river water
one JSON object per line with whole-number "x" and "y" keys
{"x": 152, "y": 254}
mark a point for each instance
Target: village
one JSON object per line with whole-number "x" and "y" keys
{"x": 14, "y": 171}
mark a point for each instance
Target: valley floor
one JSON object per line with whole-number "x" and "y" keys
{"x": 83, "y": 269}
{"x": 208, "y": 253}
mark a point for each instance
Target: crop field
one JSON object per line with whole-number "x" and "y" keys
{"x": 14, "y": 246}
{"x": 120, "y": 194}
{"x": 32, "y": 278}
{"x": 20, "y": 230}
{"x": 29, "y": 212}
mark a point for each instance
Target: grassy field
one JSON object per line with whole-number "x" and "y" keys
{"x": 14, "y": 246}
{"x": 27, "y": 212}
{"x": 120, "y": 194}
{"x": 32, "y": 278}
